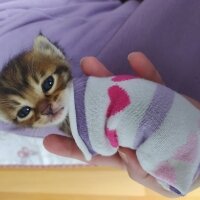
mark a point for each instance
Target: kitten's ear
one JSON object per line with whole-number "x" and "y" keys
{"x": 43, "y": 46}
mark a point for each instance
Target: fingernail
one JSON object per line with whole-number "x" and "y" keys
{"x": 159, "y": 78}
{"x": 130, "y": 55}
{"x": 82, "y": 60}
{"x": 133, "y": 54}
{"x": 123, "y": 156}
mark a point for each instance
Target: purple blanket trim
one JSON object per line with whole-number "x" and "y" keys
{"x": 33, "y": 132}
{"x": 155, "y": 114}
{"x": 197, "y": 174}
{"x": 173, "y": 189}
{"x": 79, "y": 92}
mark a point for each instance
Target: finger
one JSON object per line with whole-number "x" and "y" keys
{"x": 62, "y": 146}
{"x": 130, "y": 158}
{"x": 93, "y": 67}
{"x": 111, "y": 161}
{"x": 193, "y": 101}
{"x": 143, "y": 67}
{"x": 136, "y": 172}
{"x": 196, "y": 184}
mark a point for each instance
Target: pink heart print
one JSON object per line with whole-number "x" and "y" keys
{"x": 112, "y": 137}
{"x": 119, "y": 100}
{"x": 188, "y": 152}
{"x": 166, "y": 172}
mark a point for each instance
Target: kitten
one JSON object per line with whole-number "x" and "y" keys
{"x": 34, "y": 87}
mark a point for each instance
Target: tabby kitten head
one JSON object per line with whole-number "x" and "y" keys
{"x": 34, "y": 86}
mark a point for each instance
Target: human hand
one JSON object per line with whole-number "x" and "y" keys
{"x": 126, "y": 158}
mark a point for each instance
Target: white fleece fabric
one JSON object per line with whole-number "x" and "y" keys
{"x": 161, "y": 125}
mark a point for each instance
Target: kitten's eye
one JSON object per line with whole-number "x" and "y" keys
{"x": 47, "y": 84}
{"x": 23, "y": 112}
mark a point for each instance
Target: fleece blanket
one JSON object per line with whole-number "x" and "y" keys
{"x": 109, "y": 30}
{"x": 27, "y": 151}
{"x": 160, "y": 124}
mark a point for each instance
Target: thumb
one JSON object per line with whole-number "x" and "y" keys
{"x": 136, "y": 172}
{"x": 132, "y": 164}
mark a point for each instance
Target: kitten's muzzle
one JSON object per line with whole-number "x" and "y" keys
{"x": 46, "y": 108}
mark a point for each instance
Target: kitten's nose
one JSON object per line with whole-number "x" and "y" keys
{"x": 45, "y": 108}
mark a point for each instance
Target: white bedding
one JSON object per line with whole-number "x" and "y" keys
{"x": 18, "y": 150}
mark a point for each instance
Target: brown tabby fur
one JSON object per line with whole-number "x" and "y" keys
{"x": 21, "y": 80}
